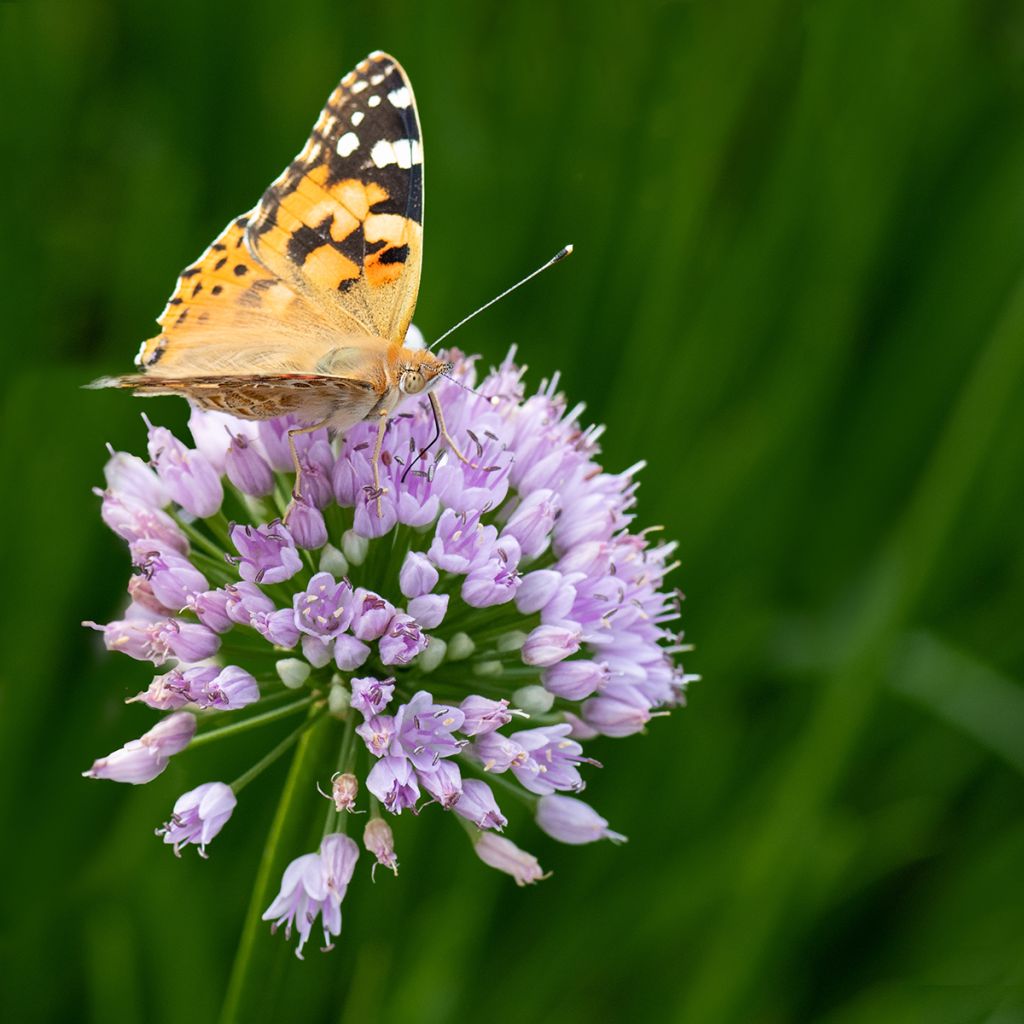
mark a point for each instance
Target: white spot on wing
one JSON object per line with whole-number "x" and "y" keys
{"x": 374, "y": 101}
{"x": 376, "y": 79}
{"x": 404, "y": 152}
{"x": 400, "y": 98}
{"x": 357, "y": 118}
{"x": 360, "y": 85}
{"x": 348, "y": 144}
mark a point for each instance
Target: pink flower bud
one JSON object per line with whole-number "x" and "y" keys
{"x": 502, "y": 854}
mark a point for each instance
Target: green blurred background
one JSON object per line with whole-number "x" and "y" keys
{"x": 798, "y": 291}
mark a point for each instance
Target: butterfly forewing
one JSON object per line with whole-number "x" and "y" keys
{"x": 225, "y": 311}
{"x": 343, "y": 223}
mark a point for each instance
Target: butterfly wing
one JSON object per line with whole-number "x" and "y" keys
{"x": 343, "y": 225}
{"x": 229, "y": 314}
{"x": 311, "y": 397}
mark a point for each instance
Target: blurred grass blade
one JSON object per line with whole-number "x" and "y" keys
{"x": 965, "y": 692}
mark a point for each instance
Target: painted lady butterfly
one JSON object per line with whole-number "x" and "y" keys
{"x": 301, "y": 305}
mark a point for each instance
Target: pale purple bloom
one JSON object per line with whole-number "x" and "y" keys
{"x": 316, "y": 651}
{"x": 622, "y": 711}
{"x": 134, "y": 520}
{"x": 496, "y": 579}
{"x": 187, "y": 474}
{"x": 158, "y": 640}
{"x": 482, "y": 715}
{"x": 460, "y": 541}
{"x": 443, "y": 782}
{"x": 129, "y": 476}
{"x": 231, "y": 689}
{"x": 429, "y": 610}
{"x": 498, "y": 753}
{"x": 198, "y": 816}
{"x": 380, "y": 841}
{"x": 317, "y": 462}
{"x": 142, "y": 760}
{"x": 370, "y": 614}
{"x": 402, "y": 641}
{"x": 211, "y": 610}
{"x": 267, "y": 554}
{"x": 315, "y": 884}
{"x": 377, "y": 732}
{"x": 417, "y": 576}
{"x": 371, "y": 696}
{"x": 324, "y": 608}
{"x": 144, "y": 603}
{"x": 536, "y": 589}
{"x": 477, "y": 804}
{"x": 424, "y": 731}
{"x": 527, "y": 575}
{"x": 552, "y": 757}
{"x": 174, "y": 579}
{"x": 278, "y": 627}
{"x": 350, "y": 653}
{"x": 548, "y": 645}
{"x": 502, "y": 854}
{"x": 306, "y": 523}
{"x": 577, "y": 679}
{"x": 532, "y": 521}
{"x": 244, "y": 600}
{"x": 178, "y": 687}
{"x": 392, "y": 781}
{"x": 572, "y": 821}
{"x": 246, "y": 468}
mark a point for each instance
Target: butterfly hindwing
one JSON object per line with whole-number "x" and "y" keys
{"x": 311, "y": 397}
{"x": 343, "y": 224}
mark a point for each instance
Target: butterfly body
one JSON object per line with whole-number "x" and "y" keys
{"x": 301, "y": 305}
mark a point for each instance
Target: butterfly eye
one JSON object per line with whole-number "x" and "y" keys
{"x": 412, "y": 382}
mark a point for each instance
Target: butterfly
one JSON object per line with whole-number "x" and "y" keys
{"x": 301, "y": 306}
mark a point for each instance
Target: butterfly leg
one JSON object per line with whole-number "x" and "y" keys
{"x": 379, "y": 491}
{"x": 449, "y": 440}
{"x": 292, "y": 434}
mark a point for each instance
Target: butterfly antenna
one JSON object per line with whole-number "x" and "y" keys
{"x": 560, "y": 255}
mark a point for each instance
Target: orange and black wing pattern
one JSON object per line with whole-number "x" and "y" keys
{"x": 343, "y": 225}
{"x": 227, "y": 310}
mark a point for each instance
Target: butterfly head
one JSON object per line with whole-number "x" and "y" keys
{"x": 420, "y": 370}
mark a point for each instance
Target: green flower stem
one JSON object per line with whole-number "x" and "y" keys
{"x": 338, "y": 820}
{"x": 250, "y": 723}
{"x": 268, "y": 759}
{"x": 258, "y": 966}
{"x": 199, "y": 538}
{"x": 219, "y": 524}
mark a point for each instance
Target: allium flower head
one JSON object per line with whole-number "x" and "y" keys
{"x": 463, "y": 645}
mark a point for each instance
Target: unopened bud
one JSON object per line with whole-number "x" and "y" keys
{"x": 333, "y": 561}
{"x": 354, "y": 547}
{"x": 534, "y": 700}
{"x": 460, "y": 647}
{"x": 429, "y": 659}
{"x": 338, "y": 697}
{"x": 293, "y": 672}
{"x": 512, "y": 641}
{"x": 488, "y": 668}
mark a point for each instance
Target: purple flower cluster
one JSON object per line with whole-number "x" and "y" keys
{"x": 494, "y": 616}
